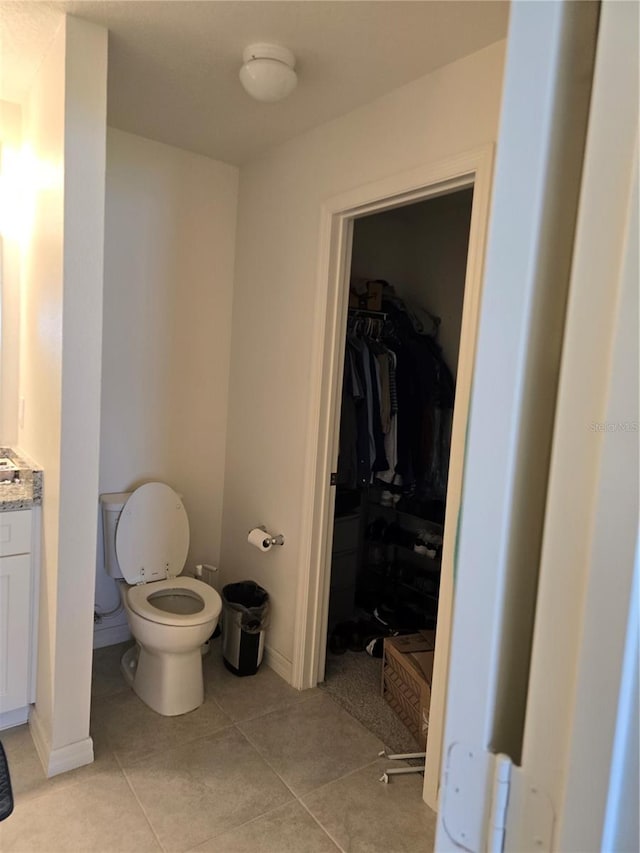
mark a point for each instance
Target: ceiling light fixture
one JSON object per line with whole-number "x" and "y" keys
{"x": 267, "y": 73}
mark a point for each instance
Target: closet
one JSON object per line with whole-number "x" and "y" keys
{"x": 401, "y": 354}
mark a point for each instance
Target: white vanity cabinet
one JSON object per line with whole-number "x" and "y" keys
{"x": 17, "y": 616}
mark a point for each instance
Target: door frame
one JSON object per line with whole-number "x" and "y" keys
{"x": 473, "y": 168}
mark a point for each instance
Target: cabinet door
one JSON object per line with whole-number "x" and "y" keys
{"x": 15, "y": 592}
{"x": 15, "y": 533}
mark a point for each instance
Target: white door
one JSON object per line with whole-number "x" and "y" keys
{"x": 549, "y": 509}
{"x": 578, "y": 703}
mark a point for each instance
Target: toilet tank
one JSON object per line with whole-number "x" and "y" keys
{"x": 111, "y": 506}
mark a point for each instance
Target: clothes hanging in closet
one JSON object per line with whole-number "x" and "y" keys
{"x": 397, "y": 402}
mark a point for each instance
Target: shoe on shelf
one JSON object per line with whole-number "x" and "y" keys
{"x": 427, "y": 543}
{"x": 425, "y": 550}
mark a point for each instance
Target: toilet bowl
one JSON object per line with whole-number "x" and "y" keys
{"x": 146, "y": 536}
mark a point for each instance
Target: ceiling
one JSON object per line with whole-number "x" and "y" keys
{"x": 173, "y": 64}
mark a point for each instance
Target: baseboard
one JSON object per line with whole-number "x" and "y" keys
{"x": 56, "y": 761}
{"x": 17, "y": 717}
{"x": 279, "y": 664}
{"x": 111, "y": 635}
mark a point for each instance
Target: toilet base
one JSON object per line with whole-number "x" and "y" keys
{"x": 170, "y": 684}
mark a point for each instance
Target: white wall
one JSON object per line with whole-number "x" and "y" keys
{"x": 169, "y": 243}
{"x": 10, "y": 234}
{"x": 60, "y": 352}
{"x": 449, "y": 111}
{"x": 421, "y": 250}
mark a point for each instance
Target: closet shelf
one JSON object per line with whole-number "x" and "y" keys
{"x": 391, "y": 572}
{"x": 420, "y": 563}
{"x": 435, "y": 526}
{"x": 430, "y": 595}
{"x": 430, "y": 564}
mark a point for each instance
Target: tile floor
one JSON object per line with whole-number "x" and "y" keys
{"x": 259, "y": 768}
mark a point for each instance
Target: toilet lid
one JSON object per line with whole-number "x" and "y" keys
{"x": 152, "y": 536}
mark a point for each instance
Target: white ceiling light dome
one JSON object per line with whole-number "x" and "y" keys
{"x": 268, "y": 72}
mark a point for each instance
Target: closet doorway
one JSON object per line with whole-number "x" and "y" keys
{"x": 470, "y": 175}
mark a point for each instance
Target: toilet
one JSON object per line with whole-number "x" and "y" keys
{"x": 146, "y": 540}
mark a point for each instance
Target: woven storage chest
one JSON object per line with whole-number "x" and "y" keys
{"x": 406, "y": 680}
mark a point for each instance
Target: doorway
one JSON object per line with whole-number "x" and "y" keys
{"x": 404, "y": 319}
{"x": 471, "y": 170}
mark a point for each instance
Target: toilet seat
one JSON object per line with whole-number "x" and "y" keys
{"x": 152, "y": 537}
{"x": 138, "y": 599}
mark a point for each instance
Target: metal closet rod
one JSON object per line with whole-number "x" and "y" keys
{"x": 364, "y": 312}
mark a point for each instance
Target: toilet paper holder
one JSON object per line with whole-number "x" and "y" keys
{"x": 278, "y": 539}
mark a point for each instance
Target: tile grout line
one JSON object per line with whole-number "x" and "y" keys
{"x": 266, "y": 761}
{"x": 324, "y": 829}
{"x": 343, "y": 776}
{"x": 186, "y": 742}
{"x": 313, "y": 790}
{"x": 159, "y": 750}
{"x": 236, "y": 725}
{"x": 262, "y": 814}
{"x": 340, "y": 778}
{"x": 239, "y": 826}
{"x": 290, "y": 705}
{"x": 262, "y": 714}
{"x": 298, "y": 798}
{"x": 209, "y": 837}
{"x": 142, "y": 808}
{"x": 307, "y": 807}
{"x": 191, "y": 742}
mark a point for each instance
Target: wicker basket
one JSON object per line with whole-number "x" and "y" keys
{"x": 405, "y": 686}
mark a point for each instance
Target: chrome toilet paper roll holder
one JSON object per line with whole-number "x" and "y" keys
{"x": 278, "y": 539}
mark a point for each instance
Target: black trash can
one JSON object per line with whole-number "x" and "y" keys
{"x": 245, "y": 615}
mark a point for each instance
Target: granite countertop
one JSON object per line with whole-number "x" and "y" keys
{"x": 25, "y": 491}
